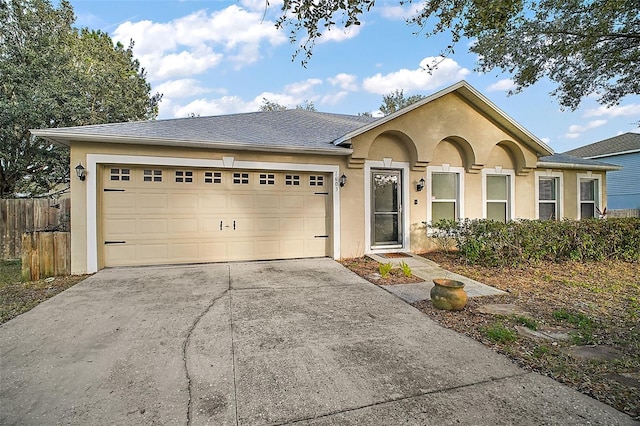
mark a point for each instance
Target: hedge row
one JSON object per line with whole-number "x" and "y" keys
{"x": 498, "y": 244}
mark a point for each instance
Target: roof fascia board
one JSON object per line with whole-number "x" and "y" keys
{"x": 65, "y": 139}
{"x": 613, "y": 154}
{"x": 573, "y": 166}
{"x": 474, "y": 97}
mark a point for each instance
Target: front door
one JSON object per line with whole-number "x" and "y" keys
{"x": 386, "y": 212}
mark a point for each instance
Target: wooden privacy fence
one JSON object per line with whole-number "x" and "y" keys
{"x": 45, "y": 254}
{"x": 624, "y": 213}
{"x": 18, "y": 216}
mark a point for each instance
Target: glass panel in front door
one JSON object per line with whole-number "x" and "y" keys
{"x": 387, "y": 208}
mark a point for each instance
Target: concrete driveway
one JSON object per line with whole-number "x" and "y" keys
{"x": 302, "y": 341}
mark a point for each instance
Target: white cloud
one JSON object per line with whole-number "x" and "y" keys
{"x": 182, "y": 64}
{"x": 340, "y": 34}
{"x": 575, "y": 130}
{"x": 502, "y": 86}
{"x": 334, "y": 98}
{"x": 448, "y": 71}
{"x": 344, "y": 81}
{"x": 165, "y": 49}
{"x": 302, "y": 88}
{"x": 182, "y": 88}
{"x": 401, "y": 12}
{"x": 220, "y": 106}
{"x": 631, "y": 110}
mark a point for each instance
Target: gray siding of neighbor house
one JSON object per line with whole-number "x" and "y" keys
{"x": 623, "y": 186}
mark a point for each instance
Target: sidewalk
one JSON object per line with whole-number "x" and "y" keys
{"x": 428, "y": 271}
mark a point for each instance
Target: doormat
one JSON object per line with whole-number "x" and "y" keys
{"x": 395, "y": 255}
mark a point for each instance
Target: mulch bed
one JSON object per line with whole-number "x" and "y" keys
{"x": 368, "y": 269}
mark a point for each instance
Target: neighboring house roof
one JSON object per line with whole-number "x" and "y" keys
{"x": 626, "y": 143}
{"x": 475, "y": 98}
{"x": 566, "y": 161}
{"x": 288, "y": 130}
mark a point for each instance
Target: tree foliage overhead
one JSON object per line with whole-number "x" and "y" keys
{"x": 583, "y": 46}
{"x": 269, "y": 105}
{"x": 395, "y": 101}
{"x": 54, "y": 75}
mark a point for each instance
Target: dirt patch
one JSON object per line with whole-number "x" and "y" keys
{"x": 369, "y": 270}
{"x": 600, "y": 301}
{"x": 18, "y": 297}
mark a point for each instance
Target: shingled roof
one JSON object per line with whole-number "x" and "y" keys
{"x": 292, "y": 129}
{"x": 625, "y": 143}
{"x": 566, "y": 161}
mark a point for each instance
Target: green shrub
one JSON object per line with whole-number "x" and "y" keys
{"x": 406, "y": 269}
{"x": 500, "y": 244}
{"x": 385, "y": 269}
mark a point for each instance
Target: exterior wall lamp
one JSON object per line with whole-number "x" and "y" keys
{"x": 343, "y": 180}
{"x": 420, "y": 185}
{"x": 80, "y": 172}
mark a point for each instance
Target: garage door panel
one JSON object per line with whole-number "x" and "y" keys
{"x": 164, "y": 221}
{"x": 267, "y": 202}
{"x": 185, "y": 251}
{"x": 183, "y": 201}
{"x": 153, "y": 200}
{"x": 184, "y": 226}
{"x": 153, "y": 226}
{"x": 119, "y": 227}
{"x": 213, "y": 202}
{"x": 152, "y": 252}
{"x": 293, "y": 202}
{"x": 119, "y": 201}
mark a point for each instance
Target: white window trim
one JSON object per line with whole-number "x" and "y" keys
{"x": 445, "y": 168}
{"x": 406, "y": 229}
{"x": 560, "y": 191}
{"x": 94, "y": 160}
{"x": 598, "y": 201}
{"x": 498, "y": 171}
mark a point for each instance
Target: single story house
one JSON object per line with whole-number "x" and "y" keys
{"x": 623, "y": 186}
{"x": 296, "y": 183}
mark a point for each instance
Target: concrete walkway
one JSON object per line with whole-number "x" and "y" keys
{"x": 264, "y": 343}
{"x": 428, "y": 271}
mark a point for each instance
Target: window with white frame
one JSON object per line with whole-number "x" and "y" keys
{"x": 548, "y": 198}
{"x": 498, "y": 194}
{"x": 498, "y": 202}
{"x": 589, "y": 194}
{"x": 445, "y": 195}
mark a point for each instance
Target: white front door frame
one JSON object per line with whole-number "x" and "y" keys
{"x": 386, "y": 164}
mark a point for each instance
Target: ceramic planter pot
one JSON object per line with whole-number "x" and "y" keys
{"x": 448, "y": 294}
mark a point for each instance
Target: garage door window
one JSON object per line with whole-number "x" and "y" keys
{"x": 212, "y": 177}
{"x": 241, "y": 178}
{"x": 316, "y": 180}
{"x": 292, "y": 180}
{"x": 267, "y": 179}
{"x": 184, "y": 176}
{"x": 152, "y": 175}
{"x": 121, "y": 174}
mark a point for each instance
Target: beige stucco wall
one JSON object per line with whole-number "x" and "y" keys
{"x": 446, "y": 131}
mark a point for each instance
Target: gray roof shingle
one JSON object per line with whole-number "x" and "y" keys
{"x": 611, "y": 146}
{"x": 582, "y": 163}
{"x": 292, "y": 128}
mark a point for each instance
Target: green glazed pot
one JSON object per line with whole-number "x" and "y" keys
{"x": 448, "y": 294}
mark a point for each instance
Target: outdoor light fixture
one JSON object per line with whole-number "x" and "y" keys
{"x": 80, "y": 172}
{"x": 343, "y": 180}
{"x": 420, "y": 185}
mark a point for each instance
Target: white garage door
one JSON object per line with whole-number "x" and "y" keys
{"x": 159, "y": 215}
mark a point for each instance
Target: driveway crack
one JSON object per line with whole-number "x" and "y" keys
{"x": 185, "y": 346}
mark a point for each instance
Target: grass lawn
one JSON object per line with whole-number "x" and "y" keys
{"x": 17, "y": 297}
{"x": 596, "y": 305}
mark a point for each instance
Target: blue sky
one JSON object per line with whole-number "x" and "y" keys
{"x": 221, "y": 57}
